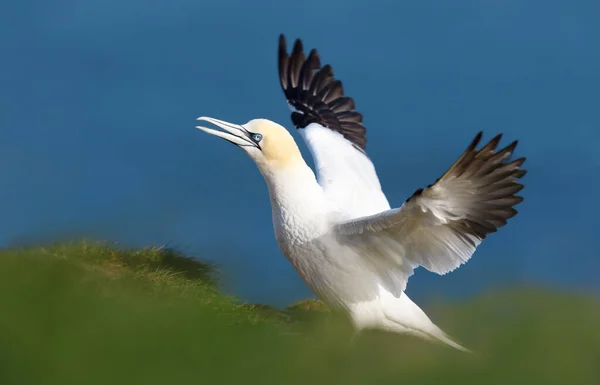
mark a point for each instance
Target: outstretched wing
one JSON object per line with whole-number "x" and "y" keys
{"x": 332, "y": 129}
{"x": 440, "y": 227}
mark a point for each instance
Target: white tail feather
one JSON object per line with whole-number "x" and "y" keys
{"x": 404, "y": 316}
{"x": 443, "y": 337}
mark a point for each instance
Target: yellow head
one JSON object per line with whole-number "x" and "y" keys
{"x": 268, "y": 143}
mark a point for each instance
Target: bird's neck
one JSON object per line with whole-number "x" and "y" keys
{"x": 293, "y": 186}
{"x": 296, "y": 197}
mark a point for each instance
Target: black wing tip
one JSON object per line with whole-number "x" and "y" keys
{"x": 417, "y": 193}
{"x": 520, "y": 174}
{"x": 318, "y": 97}
{"x": 282, "y": 46}
{"x": 497, "y": 170}
{"x": 298, "y": 47}
{"x": 283, "y": 42}
{"x": 494, "y": 180}
{"x": 474, "y": 142}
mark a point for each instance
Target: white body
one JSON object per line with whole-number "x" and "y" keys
{"x": 304, "y": 219}
{"x": 339, "y": 233}
{"x": 337, "y": 228}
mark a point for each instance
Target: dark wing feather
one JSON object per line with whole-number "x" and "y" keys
{"x": 479, "y": 188}
{"x": 316, "y": 95}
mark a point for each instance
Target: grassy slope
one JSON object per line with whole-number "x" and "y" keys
{"x": 87, "y": 313}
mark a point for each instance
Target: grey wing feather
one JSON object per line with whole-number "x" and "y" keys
{"x": 440, "y": 227}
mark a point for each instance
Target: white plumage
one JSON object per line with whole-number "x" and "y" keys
{"x": 337, "y": 229}
{"x": 346, "y": 175}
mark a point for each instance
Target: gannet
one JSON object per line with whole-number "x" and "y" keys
{"x": 337, "y": 228}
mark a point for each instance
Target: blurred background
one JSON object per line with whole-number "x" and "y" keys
{"x": 98, "y": 101}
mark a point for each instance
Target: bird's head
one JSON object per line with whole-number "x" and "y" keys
{"x": 270, "y": 145}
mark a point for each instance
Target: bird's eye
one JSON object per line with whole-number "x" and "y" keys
{"x": 257, "y": 137}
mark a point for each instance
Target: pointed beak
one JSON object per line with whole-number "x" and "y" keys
{"x": 233, "y": 133}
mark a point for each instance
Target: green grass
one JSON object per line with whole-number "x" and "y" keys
{"x": 90, "y": 313}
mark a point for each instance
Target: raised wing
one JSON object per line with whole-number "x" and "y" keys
{"x": 440, "y": 227}
{"x": 332, "y": 129}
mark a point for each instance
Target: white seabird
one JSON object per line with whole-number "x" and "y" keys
{"x": 338, "y": 230}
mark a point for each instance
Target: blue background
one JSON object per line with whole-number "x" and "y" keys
{"x": 98, "y": 101}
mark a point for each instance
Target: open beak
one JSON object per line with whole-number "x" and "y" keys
{"x": 233, "y": 133}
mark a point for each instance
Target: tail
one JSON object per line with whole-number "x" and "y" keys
{"x": 443, "y": 337}
{"x": 404, "y": 316}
